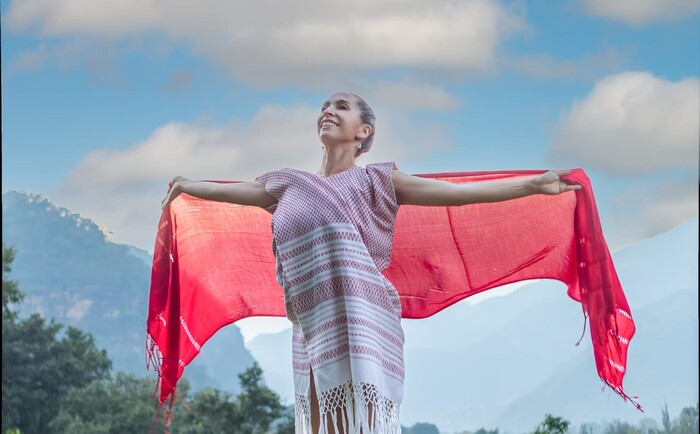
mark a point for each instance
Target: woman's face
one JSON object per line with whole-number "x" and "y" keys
{"x": 339, "y": 120}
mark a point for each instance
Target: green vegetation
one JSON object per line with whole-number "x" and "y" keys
{"x": 10, "y": 290}
{"x": 685, "y": 423}
{"x": 552, "y": 425}
{"x": 420, "y": 428}
{"x": 60, "y": 382}
{"x": 70, "y": 272}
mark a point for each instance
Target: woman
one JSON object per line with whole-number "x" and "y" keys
{"x": 332, "y": 237}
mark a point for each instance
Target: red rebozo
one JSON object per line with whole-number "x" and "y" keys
{"x": 213, "y": 265}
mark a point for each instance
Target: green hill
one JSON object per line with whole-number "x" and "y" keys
{"x": 71, "y": 271}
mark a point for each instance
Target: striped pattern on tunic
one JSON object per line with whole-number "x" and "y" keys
{"x": 332, "y": 237}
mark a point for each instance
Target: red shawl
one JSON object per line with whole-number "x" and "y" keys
{"x": 213, "y": 265}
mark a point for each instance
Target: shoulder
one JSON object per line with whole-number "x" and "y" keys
{"x": 274, "y": 174}
{"x": 384, "y": 170}
{"x": 280, "y": 170}
{"x": 391, "y": 164}
{"x": 389, "y": 170}
{"x": 383, "y": 166}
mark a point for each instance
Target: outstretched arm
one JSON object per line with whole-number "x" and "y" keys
{"x": 243, "y": 193}
{"x": 415, "y": 190}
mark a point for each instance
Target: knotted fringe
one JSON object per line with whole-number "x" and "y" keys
{"x": 355, "y": 398}
{"x": 154, "y": 358}
{"x": 624, "y": 396}
{"x": 302, "y": 415}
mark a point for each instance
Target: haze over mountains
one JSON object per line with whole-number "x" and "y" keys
{"x": 507, "y": 361}
{"x": 501, "y": 363}
{"x": 70, "y": 271}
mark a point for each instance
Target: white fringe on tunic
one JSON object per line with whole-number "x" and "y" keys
{"x": 385, "y": 413}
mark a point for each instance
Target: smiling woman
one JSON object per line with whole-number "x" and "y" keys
{"x": 332, "y": 239}
{"x": 345, "y": 126}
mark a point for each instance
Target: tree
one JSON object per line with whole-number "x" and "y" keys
{"x": 688, "y": 420}
{"x": 586, "y": 428}
{"x": 648, "y": 425}
{"x": 63, "y": 385}
{"x": 210, "y": 410}
{"x": 422, "y": 428}
{"x": 484, "y": 431}
{"x": 666, "y": 420}
{"x": 252, "y": 412}
{"x": 10, "y": 289}
{"x": 552, "y": 425}
{"x": 619, "y": 427}
{"x": 120, "y": 404}
{"x": 286, "y": 423}
{"x": 258, "y": 405}
{"x": 10, "y": 294}
{"x": 39, "y": 369}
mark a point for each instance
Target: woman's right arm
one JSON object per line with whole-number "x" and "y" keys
{"x": 243, "y": 193}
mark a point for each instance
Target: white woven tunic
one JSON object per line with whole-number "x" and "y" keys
{"x": 332, "y": 237}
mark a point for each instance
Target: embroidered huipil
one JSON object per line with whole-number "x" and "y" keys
{"x": 332, "y": 237}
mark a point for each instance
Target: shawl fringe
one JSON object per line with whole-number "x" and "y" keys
{"x": 351, "y": 399}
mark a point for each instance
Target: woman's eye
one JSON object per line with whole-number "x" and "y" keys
{"x": 343, "y": 106}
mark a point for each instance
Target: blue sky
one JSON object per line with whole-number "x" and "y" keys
{"x": 102, "y": 104}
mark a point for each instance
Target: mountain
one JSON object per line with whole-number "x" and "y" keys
{"x": 662, "y": 368}
{"x": 273, "y": 351}
{"x": 70, "y": 271}
{"x": 507, "y": 361}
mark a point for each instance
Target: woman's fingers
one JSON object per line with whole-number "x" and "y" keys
{"x": 168, "y": 193}
{"x": 166, "y": 200}
{"x": 572, "y": 186}
{"x": 568, "y": 186}
{"x": 174, "y": 180}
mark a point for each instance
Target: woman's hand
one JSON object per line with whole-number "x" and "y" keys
{"x": 174, "y": 189}
{"x": 551, "y": 183}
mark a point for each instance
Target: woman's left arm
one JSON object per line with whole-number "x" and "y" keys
{"x": 415, "y": 190}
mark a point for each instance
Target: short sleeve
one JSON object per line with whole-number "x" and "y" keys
{"x": 275, "y": 182}
{"x": 384, "y": 196}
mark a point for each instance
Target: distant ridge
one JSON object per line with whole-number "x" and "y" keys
{"x": 70, "y": 270}
{"x": 507, "y": 361}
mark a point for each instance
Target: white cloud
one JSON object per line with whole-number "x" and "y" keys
{"x": 408, "y": 95}
{"x": 122, "y": 189}
{"x": 99, "y": 59}
{"x": 653, "y": 208}
{"x": 32, "y": 59}
{"x": 312, "y": 44}
{"x": 631, "y": 123}
{"x": 179, "y": 81}
{"x": 548, "y": 67}
{"x": 640, "y": 12}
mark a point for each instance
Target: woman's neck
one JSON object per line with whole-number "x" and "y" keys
{"x": 336, "y": 161}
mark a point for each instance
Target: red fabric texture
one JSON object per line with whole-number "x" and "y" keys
{"x": 213, "y": 265}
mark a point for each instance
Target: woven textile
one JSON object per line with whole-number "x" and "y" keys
{"x": 332, "y": 237}
{"x": 347, "y": 263}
